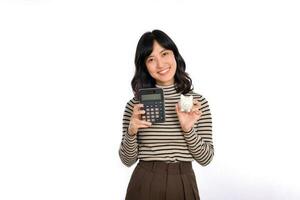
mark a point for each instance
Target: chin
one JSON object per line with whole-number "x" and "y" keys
{"x": 165, "y": 82}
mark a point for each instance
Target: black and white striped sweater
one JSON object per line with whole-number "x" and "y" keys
{"x": 166, "y": 141}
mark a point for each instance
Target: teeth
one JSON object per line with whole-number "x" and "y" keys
{"x": 164, "y": 71}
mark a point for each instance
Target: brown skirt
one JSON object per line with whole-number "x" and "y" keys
{"x": 156, "y": 180}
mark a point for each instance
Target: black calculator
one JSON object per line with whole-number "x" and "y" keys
{"x": 154, "y": 105}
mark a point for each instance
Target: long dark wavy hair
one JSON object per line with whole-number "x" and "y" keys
{"x": 142, "y": 78}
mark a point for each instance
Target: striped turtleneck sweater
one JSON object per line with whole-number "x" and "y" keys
{"x": 166, "y": 141}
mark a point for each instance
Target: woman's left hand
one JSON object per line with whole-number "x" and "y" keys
{"x": 188, "y": 119}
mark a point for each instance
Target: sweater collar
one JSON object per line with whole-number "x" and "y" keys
{"x": 169, "y": 90}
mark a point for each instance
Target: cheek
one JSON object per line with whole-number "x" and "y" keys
{"x": 174, "y": 64}
{"x": 151, "y": 69}
{"x": 173, "y": 61}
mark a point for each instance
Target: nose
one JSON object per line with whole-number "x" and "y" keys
{"x": 159, "y": 63}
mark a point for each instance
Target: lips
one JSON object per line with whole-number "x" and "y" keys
{"x": 164, "y": 71}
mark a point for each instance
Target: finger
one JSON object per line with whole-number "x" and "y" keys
{"x": 141, "y": 122}
{"x": 144, "y": 124}
{"x": 177, "y": 107}
{"x": 196, "y": 103}
{"x": 137, "y": 111}
{"x": 140, "y": 112}
{"x": 198, "y": 117}
{"x": 138, "y": 106}
{"x": 198, "y": 112}
{"x": 196, "y": 108}
{"x": 139, "y": 115}
{"x": 138, "y": 123}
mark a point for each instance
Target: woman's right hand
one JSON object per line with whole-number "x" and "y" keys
{"x": 136, "y": 121}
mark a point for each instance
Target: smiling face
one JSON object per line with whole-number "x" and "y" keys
{"x": 161, "y": 65}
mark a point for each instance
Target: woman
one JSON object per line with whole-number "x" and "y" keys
{"x": 164, "y": 150}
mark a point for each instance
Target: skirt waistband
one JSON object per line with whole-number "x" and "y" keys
{"x": 164, "y": 167}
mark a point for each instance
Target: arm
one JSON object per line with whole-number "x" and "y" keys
{"x": 128, "y": 150}
{"x": 199, "y": 138}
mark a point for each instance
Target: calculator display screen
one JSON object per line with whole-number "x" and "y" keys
{"x": 149, "y": 97}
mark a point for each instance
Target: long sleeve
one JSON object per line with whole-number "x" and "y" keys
{"x": 165, "y": 141}
{"x": 199, "y": 139}
{"x": 128, "y": 150}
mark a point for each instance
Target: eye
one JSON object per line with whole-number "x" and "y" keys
{"x": 165, "y": 53}
{"x": 150, "y": 60}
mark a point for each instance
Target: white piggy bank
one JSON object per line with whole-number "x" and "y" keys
{"x": 186, "y": 103}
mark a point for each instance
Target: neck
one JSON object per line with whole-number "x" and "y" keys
{"x": 169, "y": 90}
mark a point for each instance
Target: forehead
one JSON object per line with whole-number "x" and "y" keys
{"x": 157, "y": 48}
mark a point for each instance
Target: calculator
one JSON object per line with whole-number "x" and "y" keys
{"x": 154, "y": 105}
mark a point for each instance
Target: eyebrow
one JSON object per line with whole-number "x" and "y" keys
{"x": 159, "y": 52}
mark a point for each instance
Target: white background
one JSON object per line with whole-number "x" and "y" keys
{"x": 65, "y": 72}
